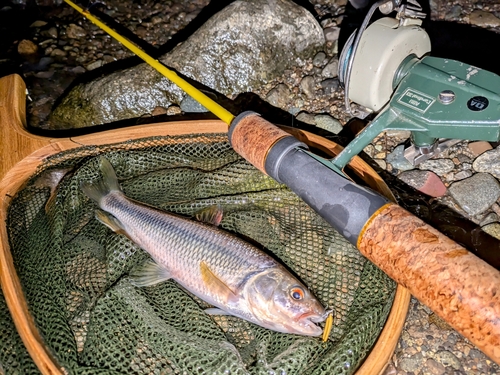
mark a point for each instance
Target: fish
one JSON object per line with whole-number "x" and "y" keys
{"x": 218, "y": 267}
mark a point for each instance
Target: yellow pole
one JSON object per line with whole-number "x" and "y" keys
{"x": 192, "y": 91}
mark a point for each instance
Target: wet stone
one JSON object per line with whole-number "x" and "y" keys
{"x": 329, "y": 123}
{"x": 27, "y": 47}
{"x": 483, "y": 19}
{"x": 307, "y": 86}
{"x": 488, "y": 162}
{"x": 331, "y": 69}
{"x": 432, "y": 367}
{"x": 397, "y": 159}
{"x": 94, "y": 65}
{"x": 331, "y": 34}
{"x": 453, "y": 13}
{"x": 307, "y": 118}
{"x": 486, "y": 191}
{"x": 438, "y": 166}
{"x": 279, "y": 96}
{"x": 412, "y": 364}
{"x": 75, "y": 32}
{"x": 188, "y": 104}
{"x": 320, "y": 59}
{"x": 330, "y": 85}
{"x": 492, "y": 229}
{"x": 447, "y": 358}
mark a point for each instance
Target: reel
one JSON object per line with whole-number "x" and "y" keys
{"x": 386, "y": 68}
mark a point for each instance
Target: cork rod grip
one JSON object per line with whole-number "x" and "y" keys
{"x": 459, "y": 287}
{"x": 252, "y": 137}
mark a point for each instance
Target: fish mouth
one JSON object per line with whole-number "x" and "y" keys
{"x": 314, "y": 317}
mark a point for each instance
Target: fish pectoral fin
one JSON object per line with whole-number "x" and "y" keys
{"x": 149, "y": 273}
{"x": 216, "y": 311}
{"x": 216, "y": 285}
{"x": 210, "y": 215}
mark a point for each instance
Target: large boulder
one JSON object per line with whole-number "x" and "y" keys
{"x": 239, "y": 49}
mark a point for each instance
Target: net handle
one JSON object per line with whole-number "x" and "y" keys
{"x": 22, "y": 152}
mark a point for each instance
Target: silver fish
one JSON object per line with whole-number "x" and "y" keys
{"x": 221, "y": 269}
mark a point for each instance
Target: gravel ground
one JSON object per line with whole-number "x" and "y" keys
{"x": 60, "y": 46}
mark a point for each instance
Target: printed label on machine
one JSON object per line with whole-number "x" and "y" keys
{"x": 416, "y": 100}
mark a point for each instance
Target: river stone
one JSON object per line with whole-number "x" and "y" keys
{"x": 488, "y": 162}
{"x": 485, "y": 188}
{"x": 239, "y": 49}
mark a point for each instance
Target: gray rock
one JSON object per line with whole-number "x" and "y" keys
{"x": 241, "y": 48}
{"x": 75, "y": 32}
{"x": 306, "y": 117}
{"x": 331, "y": 69}
{"x": 329, "y": 123}
{"x": 279, "y": 96}
{"x": 432, "y": 367}
{"x": 188, "y": 104}
{"x": 438, "y": 166}
{"x": 94, "y": 65}
{"x": 448, "y": 359}
{"x": 483, "y": 19}
{"x": 331, "y": 33}
{"x": 488, "y": 162}
{"x": 320, "y": 59}
{"x": 330, "y": 85}
{"x": 492, "y": 229}
{"x": 50, "y": 33}
{"x": 307, "y": 86}
{"x": 453, "y": 13}
{"x": 486, "y": 191}
{"x": 397, "y": 159}
{"x": 413, "y": 363}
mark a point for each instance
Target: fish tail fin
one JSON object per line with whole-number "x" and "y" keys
{"x": 108, "y": 183}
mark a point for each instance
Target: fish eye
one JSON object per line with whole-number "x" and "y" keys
{"x": 297, "y": 293}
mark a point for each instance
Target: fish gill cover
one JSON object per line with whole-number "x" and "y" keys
{"x": 75, "y": 271}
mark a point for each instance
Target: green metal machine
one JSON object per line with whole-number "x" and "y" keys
{"x": 386, "y": 69}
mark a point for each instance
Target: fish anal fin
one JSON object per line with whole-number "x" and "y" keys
{"x": 149, "y": 273}
{"x": 216, "y": 311}
{"x": 216, "y": 285}
{"x": 210, "y": 215}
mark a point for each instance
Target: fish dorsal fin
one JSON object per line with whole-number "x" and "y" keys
{"x": 149, "y": 273}
{"x": 216, "y": 285}
{"x": 210, "y": 215}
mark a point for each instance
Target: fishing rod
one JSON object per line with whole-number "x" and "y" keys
{"x": 414, "y": 254}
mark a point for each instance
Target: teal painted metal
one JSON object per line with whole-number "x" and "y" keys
{"x": 436, "y": 98}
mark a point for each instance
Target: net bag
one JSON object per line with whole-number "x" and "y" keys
{"x": 74, "y": 271}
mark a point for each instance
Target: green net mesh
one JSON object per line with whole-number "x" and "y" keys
{"x": 74, "y": 271}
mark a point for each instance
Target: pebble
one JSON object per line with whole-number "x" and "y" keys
{"x": 188, "y": 104}
{"x": 51, "y": 33}
{"x": 397, "y": 159}
{"x": 438, "y": 166}
{"x": 330, "y": 85}
{"x": 492, "y": 229}
{"x": 426, "y": 182}
{"x": 489, "y": 219}
{"x": 279, "y": 96}
{"x": 412, "y": 364}
{"x": 329, "y": 123}
{"x": 433, "y": 367}
{"x": 488, "y": 162}
{"x": 319, "y": 59}
{"x": 483, "y": 19}
{"x": 94, "y": 65}
{"x": 306, "y": 117}
{"x": 454, "y": 13}
{"x": 307, "y": 86}
{"x": 331, "y": 33}
{"x": 331, "y": 69}
{"x": 27, "y": 47}
{"x": 477, "y": 148}
{"x": 38, "y": 23}
{"x": 58, "y": 53}
{"x": 75, "y": 32}
{"x": 486, "y": 191}
{"x": 447, "y": 358}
